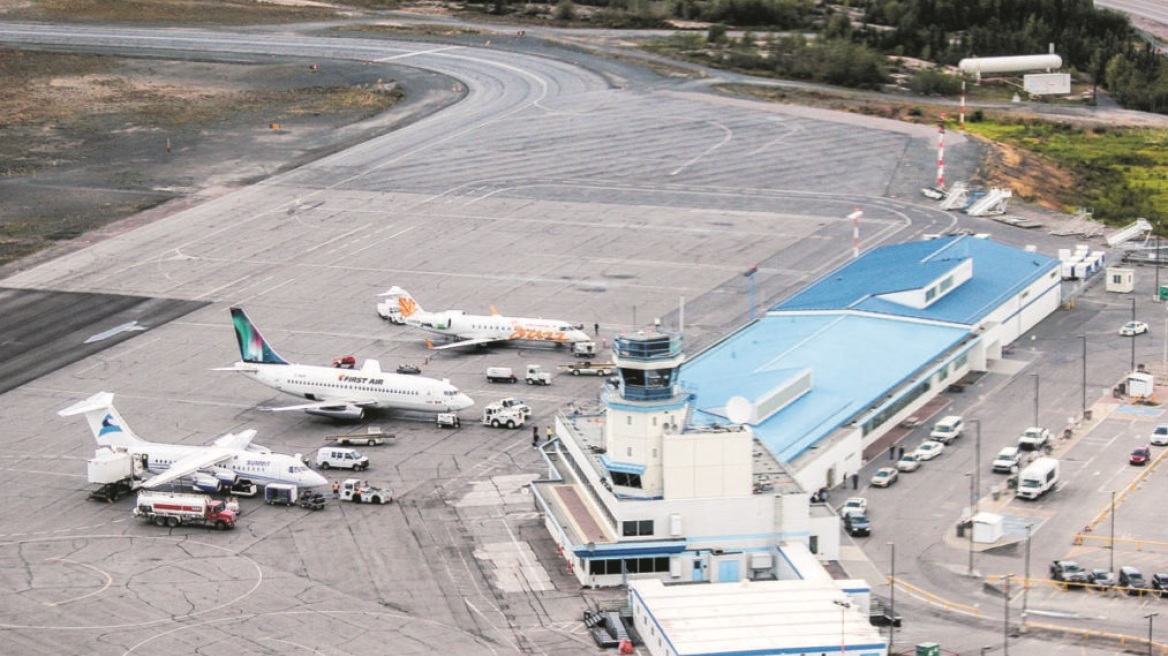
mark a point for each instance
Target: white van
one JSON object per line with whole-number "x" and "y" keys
{"x": 948, "y": 429}
{"x": 328, "y": 457}
{"x": 1038, "y": 478}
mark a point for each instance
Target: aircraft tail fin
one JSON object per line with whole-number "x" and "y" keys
{"x": 253, "y": 347}
{"x": 109, "y": 429}
{"x": 430, "y": 345}
{"x": 406, "y": 304}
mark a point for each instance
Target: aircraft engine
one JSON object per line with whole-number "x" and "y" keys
{"x": 347, "y": 412}
{"x": 205, "y": 483}
{"x": 224, "y": 475}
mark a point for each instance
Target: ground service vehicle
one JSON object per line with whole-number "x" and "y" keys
{"x": 362, "y": 492}
{"x": 177, "y": 509}
{"x": 496, "y": 415}
{"x": 501, "y": 375}
{"x": 517, "y": 404}
{"x": 1034, "y": 438}
{"x": 340, "y": 457}
{"x": 373, "y": 436}
{"x": 583, "y": 349}
{"x": 115, "y": 471}
{"x": 537, "y": 376}
{"x": 1038, "y": 478}
{"x": 948, "y": 429}
{"x": 1007, "y": 460}
{"x": 1160, "y": 435}
{"x": 447, "y": 420}
{"x": 588, "y": 368}
{"x": 1068, "y": 571}
{"x": 284, "y": 494}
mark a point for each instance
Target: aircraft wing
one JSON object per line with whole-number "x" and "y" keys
{"x": 466, "y": 342}
{"x": 190, "y": 464}
{"x": 324, "y": 405}
{"x": 239, "y": 441}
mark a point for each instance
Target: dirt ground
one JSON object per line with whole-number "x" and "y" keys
{"x": 87, "y": 140}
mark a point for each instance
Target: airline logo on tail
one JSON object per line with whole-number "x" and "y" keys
{"x": 407, "y": 306}
{"x": 252, "y": 345}
{"x": 108, "y": 425}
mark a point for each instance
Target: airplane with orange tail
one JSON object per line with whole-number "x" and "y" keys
{"x": 476, "y": 329}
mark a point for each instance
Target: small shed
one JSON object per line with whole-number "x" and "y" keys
{"x": 987, "y": 527}
{"x": 1141, "y": 384}
{"x": 1121, "y": 280}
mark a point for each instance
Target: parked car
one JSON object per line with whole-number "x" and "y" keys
{"x": 1133, "y": 328}
{"x": 857, "y": 525}
{"x": 1034, "y": 438}
{"x": 1007, "y": 461}
{"x": 1139, "y": 456}
{"x": 1132, "y": 579}
{"x": 854, "y": 505}
{"x": 1160, "y": 435}
{"x": 1160, "y": 583}
{"x": 929, "y": 449}
{"x": 909, "y": 462}
{"x": 1102, "y": 578}
{"x": 885, "y": 476}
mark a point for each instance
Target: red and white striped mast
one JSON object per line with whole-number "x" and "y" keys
{"x": 941, "y": 153}
{"x": 855, "y": 217}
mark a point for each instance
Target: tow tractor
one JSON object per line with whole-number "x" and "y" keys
{"x": 359, "y": 491}
{"x": 589, "y": 368}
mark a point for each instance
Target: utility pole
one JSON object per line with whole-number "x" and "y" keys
{"x": 1006, "y": 620}
{"x": 1133, "y": 339}
{"x": 970, "y": 528}
{"x": 1026, "y": 583}
{"x": 892, "y": 597}
{"x": 1036, "y": 399}
{"x": 976, "y": 465}
{"x": 1111, "y": 547}
{"x": 1084, "y": 338}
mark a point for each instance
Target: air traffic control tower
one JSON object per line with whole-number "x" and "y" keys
{"x": 634, "y": 491}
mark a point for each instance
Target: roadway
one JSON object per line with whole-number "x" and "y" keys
{"x": 563, "y": 185}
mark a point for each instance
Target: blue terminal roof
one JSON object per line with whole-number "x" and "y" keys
{"x": 857, "y": 346}
{"x": 854, "y": 358}
{"x": 999, "y": 272}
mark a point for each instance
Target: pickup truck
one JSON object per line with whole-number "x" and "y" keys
{"x": 1068, "y": 571}
{"x": 1034, "y": 438}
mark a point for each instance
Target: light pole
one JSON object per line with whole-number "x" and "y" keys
{"x": 976, "y": 465}
{"x": 1026, "y": 581}
{"x": 843, "y": 606}
{"x": 1006, "y": 620}
{"x": 1084, "y": 338}
{"x": 1035, "y": 376}
{"x": 750, "y": 273}
{"x": 1150, "y": 617}
{"x": 970, "y": 528}
{"x": 1133, "y": 340}
{"x": 1111, "y": 542}
{"x": 892, "y": 597}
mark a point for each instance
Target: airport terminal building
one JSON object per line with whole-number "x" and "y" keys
{"x": 705, "y": 472}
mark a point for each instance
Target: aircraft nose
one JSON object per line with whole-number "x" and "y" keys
{"x": 462, "y": 402}
{"x": 314, "y": 479}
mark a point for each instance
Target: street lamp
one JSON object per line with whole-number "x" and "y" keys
{"x": 976, "y": 465}
{"x": 843, "y": 606}
{"x": 1111, "y": 542}
{"x": 1084, "y": 338}
{"x": 892, "y": 596}
{"x": 1006, "y": 620}
{"x": 1133, "y": 341}
{"x": 1150, "y": 617}
{"x": 1026, "y": 580}
{"x": 750, "y": 273}
{"x": 1035, "y": 376}
{"x": 970, "y": 528}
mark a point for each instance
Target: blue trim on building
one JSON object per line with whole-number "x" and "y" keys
{"x": 621, "y": 467}
{"x": 623, "y": 550}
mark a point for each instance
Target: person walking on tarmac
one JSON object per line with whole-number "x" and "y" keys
{"x": 535, "y": 436}
{"x": 336, "y": 490}
{"x": 550, "y": 433}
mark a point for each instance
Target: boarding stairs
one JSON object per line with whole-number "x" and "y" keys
{"x": 1141, "y": 227}
{"x": 957, "y": 197}
{"x": 992, "y": 203}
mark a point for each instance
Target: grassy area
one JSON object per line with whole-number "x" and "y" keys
{"x": 1121, "y": 173}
